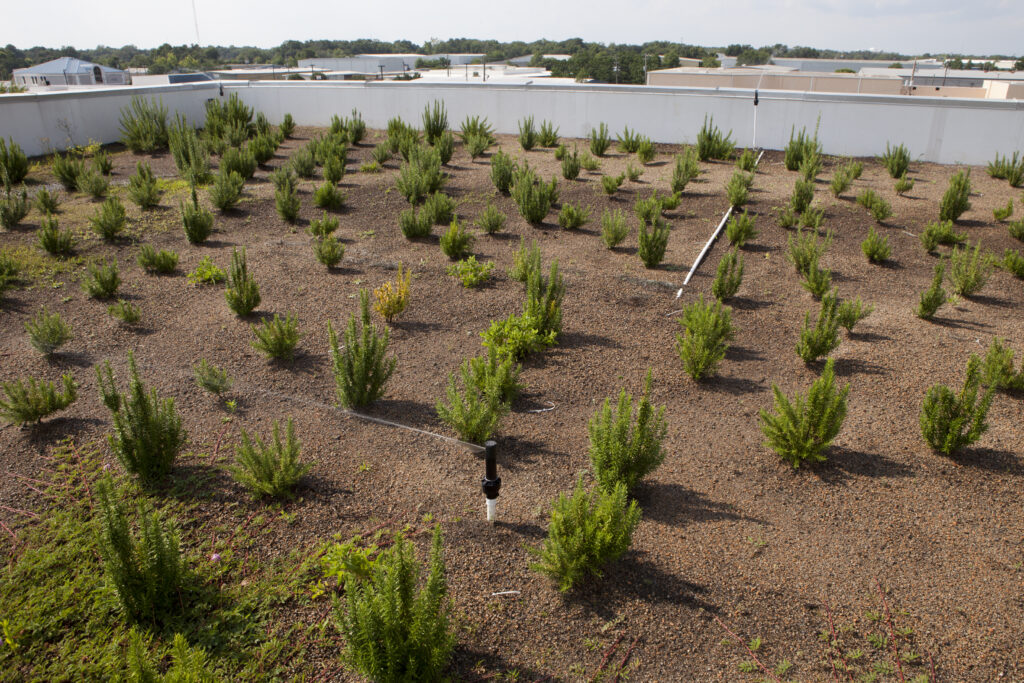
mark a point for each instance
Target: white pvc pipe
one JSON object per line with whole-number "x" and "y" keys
{"x": 711, "y": 240}
{"x": 492, "y": 509}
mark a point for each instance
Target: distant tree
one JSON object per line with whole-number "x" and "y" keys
{"x": 1019, "y": 65}
{"x": 895, "y": 65}
{"x": 670, "y": 59}
{"x": 710, "y": 61}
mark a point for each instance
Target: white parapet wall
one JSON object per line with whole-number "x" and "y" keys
{"x": 46, "y": 122}
{"x": 943, "y": 130}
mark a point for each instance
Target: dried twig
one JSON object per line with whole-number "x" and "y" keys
{"x": 892, "y": 632}
{"x": 753, "y": 655}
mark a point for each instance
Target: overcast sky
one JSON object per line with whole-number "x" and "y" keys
{"x": 908, "y": 26}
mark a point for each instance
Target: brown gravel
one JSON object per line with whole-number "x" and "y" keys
{"x": 728, "y": 529}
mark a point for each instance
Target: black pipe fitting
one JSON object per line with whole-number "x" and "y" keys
{"x": 491, "y": 483}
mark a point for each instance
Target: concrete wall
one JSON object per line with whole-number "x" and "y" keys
{"x": 769, "y": 80}
{"x": 943, "y": 130}
{"x": 43, "y": 122}
{"x": 934, "y": 129}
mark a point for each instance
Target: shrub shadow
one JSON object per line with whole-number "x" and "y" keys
{"x": 844, "y": 463}
{"x": 677, "y": 505}
{"x": 747, "y": 304}
{"x": 989, "y": 459}
{"x": 845, "y": 367}
{"x": 734, "y": 386}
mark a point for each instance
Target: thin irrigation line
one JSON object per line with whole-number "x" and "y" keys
{"x": 711, "y": 240}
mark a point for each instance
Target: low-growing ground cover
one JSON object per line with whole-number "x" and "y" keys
{"x": 731, "y": 537}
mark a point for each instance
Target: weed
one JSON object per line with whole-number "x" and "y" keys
{"x": 125, "y": 311}
{"x": 206, "y": 273}
{"x": 48, "y": 332}
{"x": 706, "y": 329}
{"x": 360, "y": 371}
{"x": 800, "y": 431}
{"x": 211, "y": 378}
{"x": 391, "y": 298}
{"x": 587, "y": 531}
{"x": 613, "y": 227}
{"x": 951, "y": 421}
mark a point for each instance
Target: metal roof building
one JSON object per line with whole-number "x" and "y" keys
{"x": 69, "y": 71}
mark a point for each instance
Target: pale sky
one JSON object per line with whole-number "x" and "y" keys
{"x": 908, "y": 26}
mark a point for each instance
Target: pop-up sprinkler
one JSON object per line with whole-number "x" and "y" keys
{"x": 492, "y": 482}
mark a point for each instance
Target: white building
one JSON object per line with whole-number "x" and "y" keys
{"x": 69, "y": 71}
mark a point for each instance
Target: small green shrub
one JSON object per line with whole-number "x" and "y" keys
{"x": 242, "y": 293}
{"x": 997, "y": 370}
{"x": 421, "y": 175}
{"x": 226, "y": 189}
{"x": 625, "y": 446}
{"x": 503, "y": 171}
{"x": 712, "y": 143}
{"x": 738, "y": 188}
{"x": 191, "y": 156}
{"x": 648, "y": 209}
{"x": 896, "y": 160}
{"x": 633, "y": 173}
{"x": 823, "y": 338}
{"x": 587, "y": 531}
{"x": 1003, "y": 212}
{"x": 196, "y": 220}
{"x": 532, "y": 196}
{"x": 435, "y": 120}
{"x": 800, "y": 431}
{"x": 147, "y": 429}
{"x": 415, "y": 225}
{"x": 800, "y": 146}
{"x": 955, "y": 201}
{"x": 599, "y": 140}
{"x": 477, "y": 145}
{"x": 13, "y": 162}
{"x": 589, "y": 163}
{"x": 334, "y": 170}
{"x": 875, "y": 247}
{"x": 33, "y": 400}
{"x": 805, "y": 250}
{"x": 125, "y": 311}
{"x": 262, "y": 149}
{"x": 940, "y": 232}
{"x": 949, "y": 421}
{"x": 851, "y": 312}
{"x": 740, "y": 229}
{"x": 470, "y": 412}
{"x": 438, "y": 208}
{"x": 812, "y": 218}
{"x": 651, "y": 244}
{"x": 153, "y": 261}
{"x": 525, "y": 261}
{"x": 48, "y": 332}
{"x": 810, "y": 167}
{"x": 53, "y": 240}
{"x": 787, "y": 217}
{"x": 445, "y": 146}
{"x": 516, "y": 336}
{"x": 491, "y": 220}
{"x": 287, "y": 203}
{"x": 854, "y": 169}
{"x": 572, "y": 216}
{"x": 361, "y": 371}
{"x": 102, "y": 279}
{"x": 903, "y": 185}
{"x": 544, "y": 301}
{"x": 803, "y": 195}
{"x": 419, "y": 636}
{"x": 322, "y": 227}
{"x": 817, "y": 280}
{"x": 841, "y": 182}
{"x": 147, "y": 573}
{"x": 144, "y": 125}
{"x": 932, "y": 298}
{"x": 240, "y": 161}
{"x": 93, "y": 184}
{"x": 471, "y": 273}
{"x": 47, "y": 202}
{"x": 328, "y": 250}
{"x": 728, "y": 277}
{"x": 547, "y": 136}
{"x": 302, "y": 162}
{"x": 102, "y": 163}
{"x": 474, "y": 125}
{"x": 327, "y": 196}
{"x": 211, "y": 378}
{"x": 874, "y": 203}
{"x": 671, "y": 202}
{"x": 611, "y": 184}
{"x": 67, "y": 168}
{"x": 143, "y": 188}
{"x": 496, "y": 376}
{"x": 456, "y": 242}
{"x": 277, "y": 338}
{"x": 287, "y": 126}
{"x": 1013, "y": 262}
{"x": 269, "y": 471}
{"x": 206, "y": 273}
{"x": 684, "y": 170}
{"x": 629, "y": 141}
{"x": 970, "y": 270}
{"x": 527, "y": 134}
{"x": 706, "y": 329}
{"x": 109, "y": 220}
{"x": 381, "y": 154}
{"x": 747, "y": 161}
{"x": 645, "y": 151}
{"x": 613, "y": 227}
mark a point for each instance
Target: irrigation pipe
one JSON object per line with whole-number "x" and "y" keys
{"x": 711, "y": 240}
